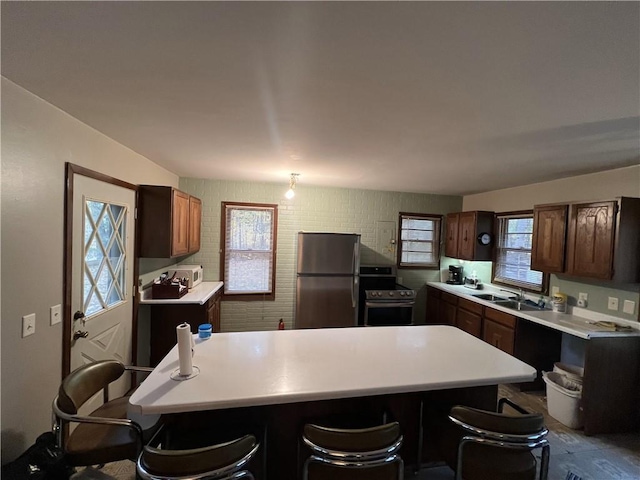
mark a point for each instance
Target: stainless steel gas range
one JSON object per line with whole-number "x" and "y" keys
{"x": 383, "y": 302}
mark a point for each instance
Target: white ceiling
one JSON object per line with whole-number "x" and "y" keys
{"x": 440, "y": 97}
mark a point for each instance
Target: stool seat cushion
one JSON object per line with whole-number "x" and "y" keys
{"x": 86, "y": 444}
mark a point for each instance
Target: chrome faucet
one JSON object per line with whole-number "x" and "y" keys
{"x": 519, "y": 297}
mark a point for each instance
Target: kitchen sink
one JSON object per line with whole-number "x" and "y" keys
{"x": 490, "y": 296}
{"x": 512, "y": 304}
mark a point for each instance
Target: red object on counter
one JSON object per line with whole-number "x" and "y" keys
{"x": 281, "y": 325}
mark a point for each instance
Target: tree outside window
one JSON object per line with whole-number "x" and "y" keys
{"x": 249, "y": 250}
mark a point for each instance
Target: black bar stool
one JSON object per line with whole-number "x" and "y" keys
{"x": 366, "y": 453}
{"x": 499, "y": 446}
{"x": 222, "y": 461}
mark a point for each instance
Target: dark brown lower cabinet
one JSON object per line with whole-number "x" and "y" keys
{"x": 469, "y": 317}
{"x": 499, "y": 330}
{"x": 448, "y": 309}
{"x": 432, "y": 316}
{"x": 166, "y": 317}
{"x": 499, "y": 336}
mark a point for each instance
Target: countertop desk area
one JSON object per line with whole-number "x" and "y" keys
{"x": 287, "y": 371}
{"x": 611, "y": 359}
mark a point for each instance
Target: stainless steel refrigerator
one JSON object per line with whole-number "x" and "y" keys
{"x": 327, "y": 280}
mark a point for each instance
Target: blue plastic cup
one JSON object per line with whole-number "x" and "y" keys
{"x": 204, "y": 330}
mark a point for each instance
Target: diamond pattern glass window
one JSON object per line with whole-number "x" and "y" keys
{"x": 419, "y": 243}
{"x": 103, "y": 282}
{"x": 249, "y": 232}
{"x": 513, "y": 253}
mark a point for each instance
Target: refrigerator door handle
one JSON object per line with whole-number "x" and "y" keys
{"x": 354, "y": 291}
{"x": 356, "y": 258}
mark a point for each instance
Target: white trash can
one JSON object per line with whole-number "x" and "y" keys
{"x": 572, "y": 372}
{"x": 563, "y": 399}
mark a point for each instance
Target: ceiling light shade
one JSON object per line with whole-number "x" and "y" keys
{"x": 292, "y": 186}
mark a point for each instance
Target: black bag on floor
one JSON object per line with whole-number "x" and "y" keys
{"x": 42, "y": 461}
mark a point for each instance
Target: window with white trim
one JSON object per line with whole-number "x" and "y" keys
{"x": 419, "y": 240}
{"x": 248, "y": 260}
{"x": 513, "y": 253}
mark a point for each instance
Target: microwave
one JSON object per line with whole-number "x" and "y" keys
{"x": 193, "y": 274}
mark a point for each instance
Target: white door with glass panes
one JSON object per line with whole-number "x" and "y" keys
{"x": 102, "y": 279}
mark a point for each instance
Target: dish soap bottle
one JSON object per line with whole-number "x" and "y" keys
{"x": 281, "y": 324}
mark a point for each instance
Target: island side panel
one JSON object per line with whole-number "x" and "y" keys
{"x": 611, "y": 385}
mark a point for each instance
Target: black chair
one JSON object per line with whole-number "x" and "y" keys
{"x": 106, "y": 434}
{"x": 365, "y": 453}
{"x": 498, "y": 446}
{"x": 222, "y": 461}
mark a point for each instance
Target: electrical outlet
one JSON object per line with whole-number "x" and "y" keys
{"x": 28, "y": 325}
{"x": 55, "y": 314}
{"x": 629, "y": 306}
{"x": 555, "y": 290}
{"x": 582, "y": 300}
{"x": 613, "y": 303}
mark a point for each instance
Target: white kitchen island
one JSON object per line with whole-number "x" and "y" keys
{"x": 274, "y": 367}
{"x": 285, "y": 378}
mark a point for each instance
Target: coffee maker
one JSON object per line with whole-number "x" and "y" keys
{"x": 455, "y": 275}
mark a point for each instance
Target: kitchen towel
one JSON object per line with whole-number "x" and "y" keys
{"x": 185, "y": 349}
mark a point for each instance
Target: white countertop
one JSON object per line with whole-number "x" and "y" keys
{"x": 242, "y": 369}
{"x": 578, "y": 323}
{"x": 198, "y": 294}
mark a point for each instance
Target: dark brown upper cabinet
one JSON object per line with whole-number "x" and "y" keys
{"x": 602, "y": 239}
{"x": 462, "y": 235}
{"x": 549, "y": 234}
{"x": 169, "y": 222}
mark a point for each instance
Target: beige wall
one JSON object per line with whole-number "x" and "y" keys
{"x": 37, "y": 140}
{"x": 621, "y": 182}
{"x": 596, "y": 186}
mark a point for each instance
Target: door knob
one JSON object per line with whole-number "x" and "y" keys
{"x": 79, "y": 316}
{"x": 80, "y": 334}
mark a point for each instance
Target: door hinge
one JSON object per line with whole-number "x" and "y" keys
{"x": 135, "y": 213}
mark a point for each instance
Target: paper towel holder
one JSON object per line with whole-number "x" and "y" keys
{"x": 175, "y": 375}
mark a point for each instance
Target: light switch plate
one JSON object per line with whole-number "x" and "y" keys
{"x": 613, "y": 303}
{"x": 629, "y": 306}
{"x": 56, "y": 314}
{"x": 583, "y": 296}
{"x": 28, "y": 325}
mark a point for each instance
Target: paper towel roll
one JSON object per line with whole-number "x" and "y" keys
{"x": 185, "y": 349}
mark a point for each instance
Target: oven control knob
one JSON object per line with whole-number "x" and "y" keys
{"x": 391, "y": 294}
{"x": 402, "y": 294}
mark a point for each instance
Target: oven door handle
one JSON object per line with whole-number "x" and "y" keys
{"x": 389, "y": 304}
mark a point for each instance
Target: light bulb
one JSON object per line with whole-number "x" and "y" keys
{"x": 290, "y": 194}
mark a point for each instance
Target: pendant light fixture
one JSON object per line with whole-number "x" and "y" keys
{"x": 292, "y": 186}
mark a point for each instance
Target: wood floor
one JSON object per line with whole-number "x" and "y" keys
{"x": 601, "y": 457}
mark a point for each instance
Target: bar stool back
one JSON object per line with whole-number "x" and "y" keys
{"x": 224, "y": 461}
{"x": 366, "y": 453}
{"x": 499, "y": 446}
